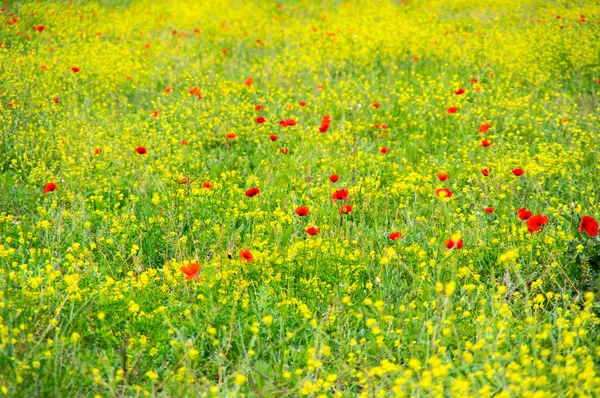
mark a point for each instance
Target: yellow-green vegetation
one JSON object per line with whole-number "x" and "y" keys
{"x": 136, "y": 260}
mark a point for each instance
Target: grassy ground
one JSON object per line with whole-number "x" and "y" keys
{"x": 131, "y": 140}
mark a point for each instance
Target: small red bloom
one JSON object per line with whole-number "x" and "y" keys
{"x": 191, "y": 271}
{"x": 486, "y": 143}
{"x": 485, "y": 172}
{"x": 484, "y": 128}
{"x": 518, "y": 172}
{"x": 385, "y": 126}
{"x": 259, "y": 107}
{"x": 248, "y": 82}
{"x": 340, "y": 194}
{"x": 489, "y": 209}
{"x": 195, "y": 91}
{"x": 384, "y": 150}
{"x": 273, "y": 137}
{"x": 246, "y": 256}
{"x": 454, "y": 243}
{"x": 443, "y": 193}
{"x": 231, "y": 136}
{"x": 75, "y": 69}
{"x": 207, "y": 185}
{"x": 535, "y": 223}
{"x": 183, "y": 181}
{"x": 334, "y": 178}
{"x": 302, "y": 210}
{"x": 154, "y": 114}
{"x": 523, "y": 214}
{"x": 345, "y": 209}
{"x": 290, "y": 122}
{"x": 141, "y": 150}
{"x": 56, "y": 100}
{"x": 285, "y": 151}
{"x": 252, "y": 192}
{"x": 442, "y": 176}
{"x": 474, "y": 80}
{"x": 168, "y": 90}
{"x": 460, "y": 91}
{"x": 394, "y": 236}
{"x": 50, "y": 187}
{"x": 452, "y": 110}
{"x": 312, "y": 231}
{"x": 260, "y": 120}
{"x": 589, "y": 225}
{"x": 183, "y": 142}
{"x": 97, "y": 151}
{"x": 376, "y": 105}
{"x": 302, "y": 103}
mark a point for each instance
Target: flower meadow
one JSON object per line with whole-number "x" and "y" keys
{"x": 299, "y": 198}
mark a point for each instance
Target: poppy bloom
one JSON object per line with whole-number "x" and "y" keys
{"x": 442, "y": 176}
{"x": 252, "y": 192}
{"x": 302, "y": 210}
{"x": 56, "y": 100}
{"x": 195, "y": 91}
{"x": 484, "y": 128}
{"x": 385, "y": 126}
{"x": 394, "y": 236}
{"x": 260, "y": 120}
{"x": 183, "y": 142}
{"x": 518, "y": 172}
{"x": 288, "y": 122}
{"x": 285, "y": 151}
{"x": 443, "y": 193}
{"x": 486, "y": 143}
{"x": 452, "y": 110}
{"x": 207, "y": 185}
{"x": 141, "y": 150}
{"x": 75, "y": 69}
{"x": 168, "y": 90}
{"x": 334, "y": 178}
{"x": 523, "y": 214}
{"x": 259, "y": 107}
{"x": 454, "y": 243}
{"x": 50, "y": 187}
{"x": 225, "y": 51}
{"x": 246, "y": 256}
{"x": 535, "y": 223}
{"x": 460, "y": 91}
{"x": 248, "y": 82}
{"x": 489, "y": 209}
{"x": 97, "y": 151}
{"x": 384, "y": 150}
{"x": 376, "y": 105}
{"x": 302, "y": 103}
{"x": 589, "y": 225}
{"x": 312, "y": 231}
{"x": 485, "y": 172}
{"x": 231, "y": 136}
{"x": 474, "y": 80}
{"x": 377, "y": 125}
{"x": 340, "y": 194}
{"x": 345, "y": 209}
{"x": 273, "y": 137}
{"x": 191, "y": 271}
{"x": 154, "y": 114}
{"x": 183, "y": 181}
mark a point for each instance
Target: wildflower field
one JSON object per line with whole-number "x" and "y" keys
{"x": 299, "y": 198}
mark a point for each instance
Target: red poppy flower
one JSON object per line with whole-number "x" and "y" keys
{"x": 589, "y": 225}
{"x": 518, "y": 172}
{"x": 141, "y": 150}
{"x": 259, "y": 107}
{"x": 376, "y": 105}
{"x": 340, "y": 194}
{"x": 474, "y": 80}
{"x": 312, "y": 231}
{"x": 285, "y": 151}
{"x": 246, "y": 256}
{"x": 443, "y": 193}
{"x": 442, "y": 176}
{"x": 489, "y": 209}
{"x": 154, "y": 114}
{"x": 207, "y": 185}
{"x": 195, "y": 91}
{"x": 75, "y": 69}
{"x": 290, "y": 122}
{"x": 302, "y": 103}
{"x": 252, "y": 192}
{"x": 345, "y": 209}
{"x": 454, "y": 243}
{"x": 183, "y": 181}
{"x": 384, "y": 150}
{"x": 535, "y": 223}
{"x": 302, "y": 210}
{"x": 191, "y": 271}
{"x": 97, "y": 151}
{"x": 168, "y": 90}
{"x": 41, "y": 28}
{"x": 395, "y": 235}
{"x": 50, "y": 187}
{"x": 273, "y": 137}
{"x": 484, "y": 128}
{"x": 56, "y": 100}
{"x": 260, "y": 120}
{"x": 460, "y": 91}
{"x": 334, "y": 178}
{"x": 385, "y": 126}
{"x": 377, "y": 125}
{"x": 183, "y": 142}
{"x": 486, "y": 143}
{"x": 225, "y": 51}
{"x": 231, "y": 136}
{"x": 485, "y": 172}
{"x": 325, "y": 123}
{"x": 523, "y": 213}
{"x": 452, "y": 109}
{"x": 248, "y": 82}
